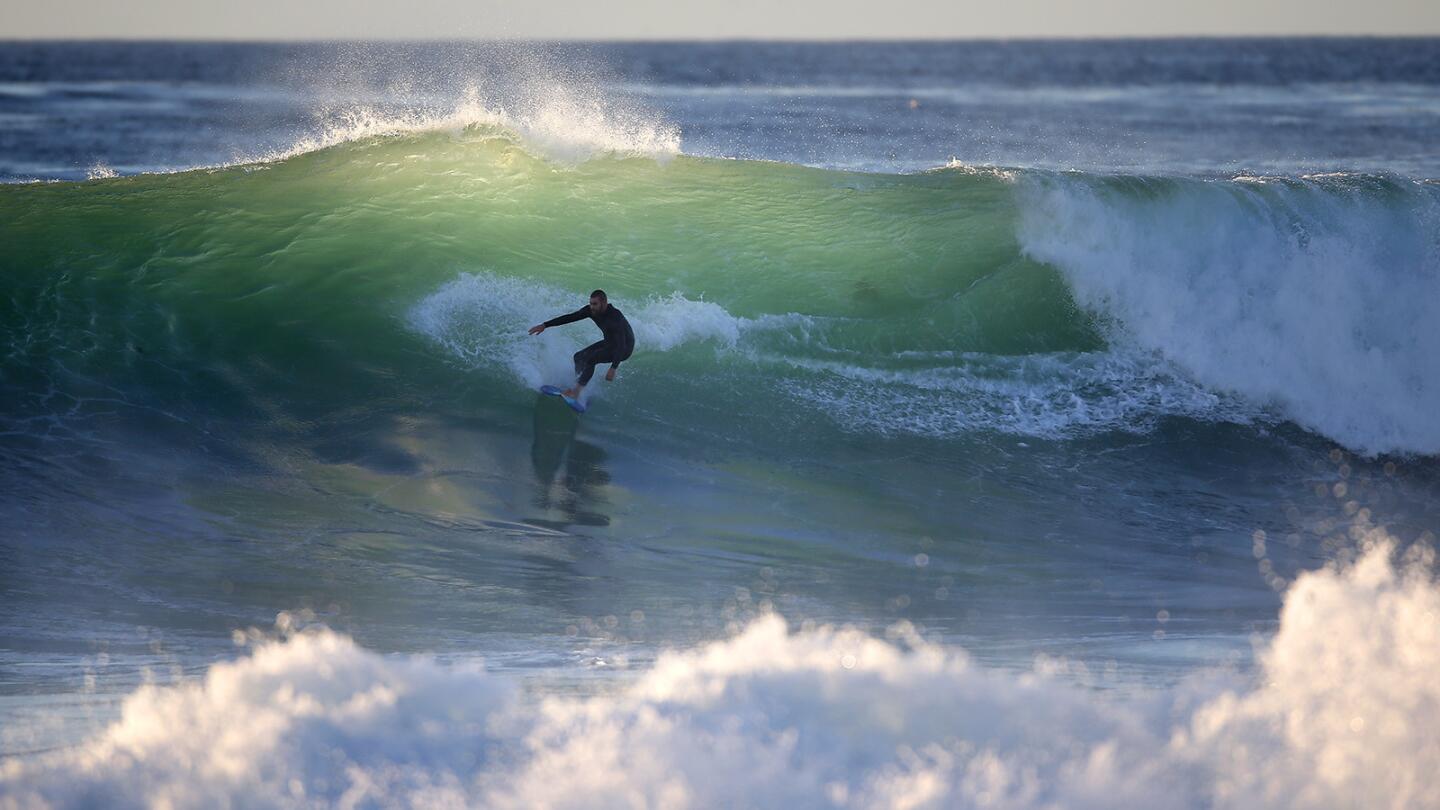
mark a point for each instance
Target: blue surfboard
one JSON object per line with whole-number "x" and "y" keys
{"x": 575, "y": 404}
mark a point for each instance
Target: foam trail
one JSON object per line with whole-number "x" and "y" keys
{"x": 480, "y": 316}
{"x": 1050, "y": 396}
{"x": 1342, "y": 714}
{"x": 665, "y": 323}
{"x": 1313, "y": 296}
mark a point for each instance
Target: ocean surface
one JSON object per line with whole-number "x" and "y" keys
{"x": 1011, "y": 424}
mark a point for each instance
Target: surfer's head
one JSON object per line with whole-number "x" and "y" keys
{"x": 598, "y": 302}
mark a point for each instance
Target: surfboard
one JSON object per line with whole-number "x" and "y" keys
{"x": 575, "y": 404}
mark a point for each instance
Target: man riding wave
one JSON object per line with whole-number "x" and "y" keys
{"x": 614, "y": 348}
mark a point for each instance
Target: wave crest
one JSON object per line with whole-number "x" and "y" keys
{"x": 556, "y": 122}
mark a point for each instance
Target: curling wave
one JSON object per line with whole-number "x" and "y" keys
{"x": 950, "y": 303}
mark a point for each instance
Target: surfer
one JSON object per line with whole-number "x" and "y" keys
{"x": 614, "y": 348}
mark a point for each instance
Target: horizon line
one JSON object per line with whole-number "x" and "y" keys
{"x": 680, "y": 40}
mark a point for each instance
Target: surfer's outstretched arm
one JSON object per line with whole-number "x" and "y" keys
{"x": 578, "y": 315}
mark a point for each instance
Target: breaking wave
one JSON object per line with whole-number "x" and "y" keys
{"x": 819, "y": 717}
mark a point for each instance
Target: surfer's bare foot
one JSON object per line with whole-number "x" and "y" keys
{"x": 573, "y": 393}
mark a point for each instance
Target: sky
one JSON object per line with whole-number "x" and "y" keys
{"x": 724, "y": 19}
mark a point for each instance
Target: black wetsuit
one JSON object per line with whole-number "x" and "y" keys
{"x": 614, "y": 348}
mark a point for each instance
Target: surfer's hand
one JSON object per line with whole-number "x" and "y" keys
{"x": 537, "y": 329}
{"x": 610, "y": 375}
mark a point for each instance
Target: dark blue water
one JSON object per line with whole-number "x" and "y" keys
{"x": 1192, "y": 106}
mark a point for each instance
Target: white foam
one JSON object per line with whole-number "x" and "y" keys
{"x": 1054, "y": 396}
{"x": 1315, "y": 297}
{"x": 482, "y": 319}
{"x": 1344, "y": 712}
{"x": 664, "y": 323}
{"x": 956, "y": 165}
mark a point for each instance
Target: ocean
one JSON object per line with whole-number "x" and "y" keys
{"x": 1011, "y": 424}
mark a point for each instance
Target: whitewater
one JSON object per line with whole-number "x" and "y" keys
{"x": 995, "y": 437}
{"x": 821, "y": 717}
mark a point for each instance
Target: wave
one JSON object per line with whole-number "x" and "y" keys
{"x": 1314, "y": 295}
{"x": 952, "y": 303}
{"x": 819, "y": 717}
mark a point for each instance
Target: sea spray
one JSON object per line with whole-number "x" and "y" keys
{"x": 821, "y": 717}
{"x": 556, "y": 121}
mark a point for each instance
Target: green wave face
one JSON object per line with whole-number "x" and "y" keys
{"x": 288, "y": 290}
{"x": 397, "y": 276}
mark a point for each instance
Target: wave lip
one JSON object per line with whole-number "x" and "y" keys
{"x": 1341, "y": 715}
{"x": 555, "y": 121}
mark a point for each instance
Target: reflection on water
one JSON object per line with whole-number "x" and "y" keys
{"x": 569, "y": 472}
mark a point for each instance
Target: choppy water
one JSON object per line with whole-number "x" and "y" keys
{"x": 1077, "y": 358}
